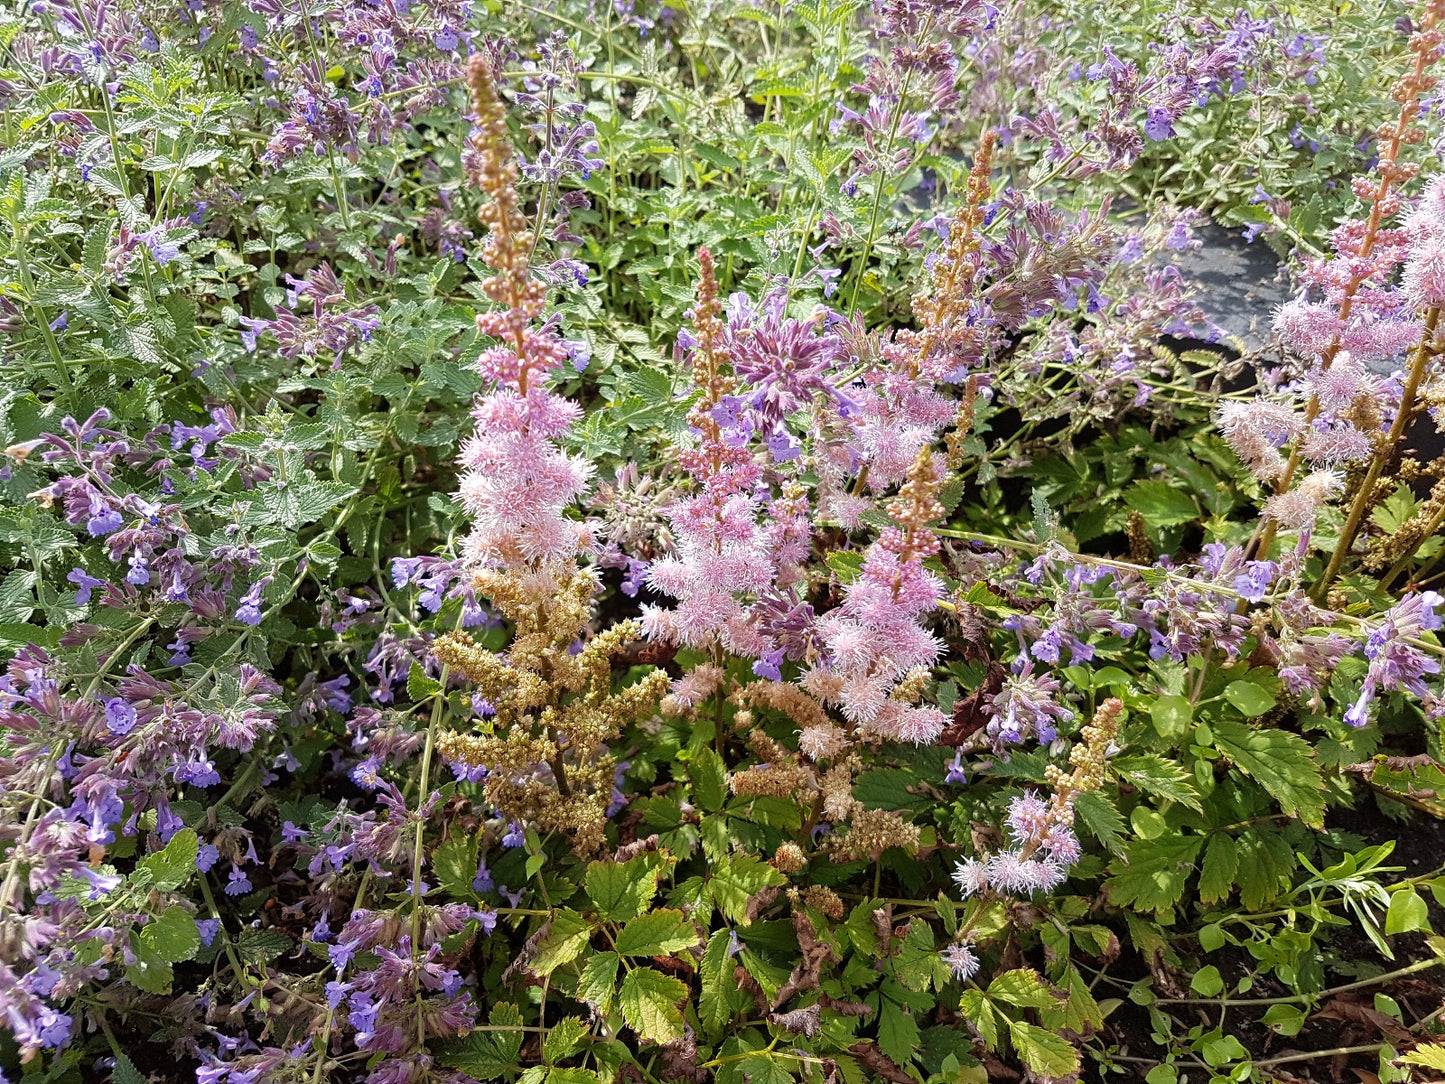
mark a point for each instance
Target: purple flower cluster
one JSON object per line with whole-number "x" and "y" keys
{"x": 332, "y": 326}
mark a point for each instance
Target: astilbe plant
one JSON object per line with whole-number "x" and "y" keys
{"x": 552, "y": 710}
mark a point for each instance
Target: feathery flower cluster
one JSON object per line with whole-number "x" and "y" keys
{"x": 1042, "y": 831}
{"x": 1356, "y": 313}
{"x": 721, "y": 550}
{"x": 541, "y": 750}
{"x": 516, "y": 481}
{"x": 874, "y": 638}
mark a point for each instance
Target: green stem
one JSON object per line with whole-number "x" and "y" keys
{"x": 1361, "y": 504}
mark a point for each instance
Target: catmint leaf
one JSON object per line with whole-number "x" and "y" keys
{"x": 1282, "y": 763}
{"x": 168, "y": 869}
{"x": 657, "y": 933}
{"x": 150, "y": 972}
{"x": 1251, "y": 699}
{"x": 262, "y": 945}
{"x": 648, "y": 1000}
{"x": 125, "y": 1072}
{"x": 172, "y": 935}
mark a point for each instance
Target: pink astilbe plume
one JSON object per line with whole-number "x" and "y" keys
{"x": 1360, "y": 304}
{"x": 722, "y": 551}
{"x": 516, "y": 482}
{"x": 874, "y": 638}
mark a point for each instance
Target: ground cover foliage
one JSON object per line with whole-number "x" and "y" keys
{"x": 709, "y": 542}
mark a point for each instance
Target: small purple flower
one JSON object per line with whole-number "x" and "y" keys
{"x": 955, "y": 773}
{"x": 120, "y": 716}
{"x": 482, "y": 882}
{"x": 208, "y": 928}
{"x": 237, "y": 884}
{"x": 514, "y": 836}
{"x": 1160, "y": 124}
{"x": 770, "y": 665}
{"x": 206, "y": 857}
{"x": 291, "y": 834}
{"x": 85, "y": 583}
{"x": 140, "y": 573}
{"x": 1254, "y": 581}
{"x": 249, "y": 611}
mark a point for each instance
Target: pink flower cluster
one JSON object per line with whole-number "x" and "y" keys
{"x": 875, "y": 638}
{"x": 1044, "y": 848}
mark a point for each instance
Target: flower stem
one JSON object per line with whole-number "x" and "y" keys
{"x": 1383, "y": 454}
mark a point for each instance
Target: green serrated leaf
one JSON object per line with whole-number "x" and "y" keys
{"x": 1155, "y": 775}
{"x": 715, "y": 975}
{"x": 736, "y": 879}
{"x": 1281, "y": 763}
{"x": 563, "y": 1039}
{"x": 420, "y": 685}
{"x": 1100, "y": 816}
{"x": 657, "y": 933}
{"x": 150, "y": 972}
{"x": 454, "y": 864}
{"x": 1161, "y": 504}
{"x": 1221, "y": 863}
{"x": 566, "y": 937}
{"x": 622, "y": 890}
{"x": 125, "y": 1072}
{"x": 898, "y": 1034}
{"x": 1023, "y": 988}
{"x": 1045, "y": 1053}
{"x": 1428, "y": 1055}
{"x": 1153, "y": 874}
{"x": 649, "y": 1002}
{"x": 598, "y": 982}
